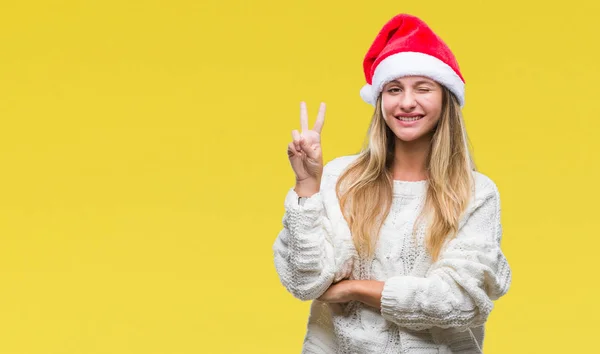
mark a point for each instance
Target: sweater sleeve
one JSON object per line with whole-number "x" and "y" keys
{"x": 306, "y": 257}
{"x": 459, "y": 288}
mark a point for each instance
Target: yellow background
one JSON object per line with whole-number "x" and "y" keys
{"x": 142, "y": 148}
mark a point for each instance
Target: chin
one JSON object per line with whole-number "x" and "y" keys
{"x": 408, "y": 137}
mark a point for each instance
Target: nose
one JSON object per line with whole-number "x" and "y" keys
{"x": 408, "y": 101}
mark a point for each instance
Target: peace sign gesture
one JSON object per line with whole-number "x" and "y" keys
{"x": 304, "y": 151}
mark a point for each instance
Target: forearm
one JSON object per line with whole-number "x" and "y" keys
{"x": 304, "y": 257}
{"x": 306, "y": 273}
{"x": 368, "y": 292}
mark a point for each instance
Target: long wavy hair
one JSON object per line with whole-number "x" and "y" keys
{"x": 365, "y": 188}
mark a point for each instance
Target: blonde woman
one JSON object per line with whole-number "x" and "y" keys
{"x": 398, "y": 246}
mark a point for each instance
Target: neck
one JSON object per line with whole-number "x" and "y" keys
{"x": 410, "y": 159}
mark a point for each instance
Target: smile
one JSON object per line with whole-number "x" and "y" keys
{"x": 409, "y": 119}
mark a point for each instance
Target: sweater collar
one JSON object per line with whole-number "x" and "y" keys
{"x": 409, "y": 188}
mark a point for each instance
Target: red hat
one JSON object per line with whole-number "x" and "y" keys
{"x": 407, "y": 46}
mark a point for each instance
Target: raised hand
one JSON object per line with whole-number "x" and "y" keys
{"x": 305, "y": 152}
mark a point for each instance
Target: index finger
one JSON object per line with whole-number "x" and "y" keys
{"x": 303, "y": 117}
{"x": 320, "y": 119}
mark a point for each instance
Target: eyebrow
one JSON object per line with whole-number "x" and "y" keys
{"x": 420, "y": 82}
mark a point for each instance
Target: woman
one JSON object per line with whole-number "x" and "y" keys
{"x": 399, "y": 245}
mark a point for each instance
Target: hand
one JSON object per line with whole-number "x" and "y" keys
{"x": 340, "y": 292}
{"x": 304, "y": 151}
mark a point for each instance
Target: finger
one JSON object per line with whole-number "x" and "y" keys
{"x": 296, "y": 136}
{"x": 310, "y": 151}
{"x": 320, "y": 119}
{"x": 303, "y": 117}
{"x": 292, "y": 150}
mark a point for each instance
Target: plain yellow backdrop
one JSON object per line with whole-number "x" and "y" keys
{"x": 142, "y": 147}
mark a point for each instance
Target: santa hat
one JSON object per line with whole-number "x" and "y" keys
{"x": 407, "y": 46}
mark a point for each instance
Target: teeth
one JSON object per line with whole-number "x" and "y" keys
{"x": 410, "y": 119}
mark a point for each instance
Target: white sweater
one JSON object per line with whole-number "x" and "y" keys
{"x": 426, "y": 307}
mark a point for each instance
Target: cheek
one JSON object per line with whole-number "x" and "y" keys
{"x": 387, "y": 105}
{"x": 435, "y": 121}
{"x": 433, "y": 105}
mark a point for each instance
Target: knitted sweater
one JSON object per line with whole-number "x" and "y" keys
{"x": 426, "y": 307}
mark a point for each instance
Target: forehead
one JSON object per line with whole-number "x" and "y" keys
{"x": 411, "y": 80}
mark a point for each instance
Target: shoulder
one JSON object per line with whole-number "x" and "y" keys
{"x": 484, "y": 185}
{"x": 483, "y": 211}
{"x": 338, "y": 165}
{"x": 485, "y": 191}
{"x": 333, "y": 170}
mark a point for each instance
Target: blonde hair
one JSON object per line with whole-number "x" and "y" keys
{"x": 365, "y": 188}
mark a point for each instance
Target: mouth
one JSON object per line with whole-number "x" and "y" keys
{"x": 408, "y": 119}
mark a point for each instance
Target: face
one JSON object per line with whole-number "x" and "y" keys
{"x": 412, "y": 106}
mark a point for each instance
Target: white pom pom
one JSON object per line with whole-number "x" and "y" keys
{"x": 366, "y": 93}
